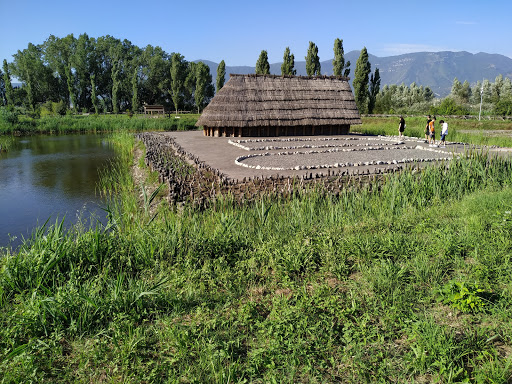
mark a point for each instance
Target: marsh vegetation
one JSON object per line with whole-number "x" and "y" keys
{"x": 408, "y": 282}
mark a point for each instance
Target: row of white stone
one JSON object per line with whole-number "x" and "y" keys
{"x": 239, "y": 161}
{"x": 271, "y": 147}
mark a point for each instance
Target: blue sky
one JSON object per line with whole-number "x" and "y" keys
{"x": 237, "y": 31}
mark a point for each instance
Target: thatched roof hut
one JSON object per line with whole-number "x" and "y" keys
{"x": 268, "y": 105}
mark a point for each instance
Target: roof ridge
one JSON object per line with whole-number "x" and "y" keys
{"x": 327, "y": 77}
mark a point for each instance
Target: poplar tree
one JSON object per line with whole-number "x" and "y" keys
{"x": 135, "y": 88}
{"x": 360, "y": 84}
{"x": 262, "y": 65}
{"x": 9, "y": 92}
{"x": 339, "y": 66}
{"x": 203, "y": 87}
{"x": 221, "y": 75}
{"x": 287, "y": 68}
{"x": 178, "y": 76}
{"x": 94, "y": 98}
{"x": 312, "y": 60}
{"x": 374, "y": 90}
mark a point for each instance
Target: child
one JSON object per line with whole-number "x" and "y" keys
{"x": 432, "y": 130}
{"x": 427, "y": 130}
{"x": 444, "y": 132}
{"x": 401, "y": 127}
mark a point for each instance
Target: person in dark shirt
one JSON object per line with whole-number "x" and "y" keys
{"x": 401, "y": 127}
{"x": 427, "y": 130}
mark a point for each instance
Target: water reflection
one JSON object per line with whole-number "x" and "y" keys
{"x": 49, "y": 177}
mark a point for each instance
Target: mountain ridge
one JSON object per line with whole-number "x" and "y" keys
{"x": 436, "y": 70}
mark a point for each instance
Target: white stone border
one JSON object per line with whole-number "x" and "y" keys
{"x": 239, "y": 159}
{"x": 239, "y": 143}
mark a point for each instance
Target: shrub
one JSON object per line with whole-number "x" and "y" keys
{"x": 449, "y": 107}
{"x": 466, "y": 297}
{"x": 9, "y": 115}
{"x": 503, "y": 107}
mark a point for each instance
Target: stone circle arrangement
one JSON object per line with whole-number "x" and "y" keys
{"x": 297, "y": 153}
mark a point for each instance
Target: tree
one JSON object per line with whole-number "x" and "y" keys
{"x": 262, "y": 65}
{"x": 38, "y": 80}
{"x": 312, "y": 60}
{"x": 340, "y": 68}
{"x": 497, "y": 89}
{"x": 135, "y": 89}
{"x": 360, "y": 83}
{"x": 94, "y": 98}
{"x": 58, "y": 54}
{"x": 178, "y": 76}
{"x": 221, "y": 74}
{"x": 155, "y": 80}
{"x": 204, "y": 87}
{"x": 9, "y": 92}
{"x": 456, "y": 88}
{"x": 287, "y": 68}
{"x": 374, "y": 90}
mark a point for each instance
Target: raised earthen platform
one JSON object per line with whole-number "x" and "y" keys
{"x": 239, "y": 158}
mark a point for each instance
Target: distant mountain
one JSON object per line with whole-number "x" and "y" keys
{"x": 433, "y": 69}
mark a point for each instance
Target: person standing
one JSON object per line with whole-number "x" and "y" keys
{"x": 401, "y": 127}
{"x": 427, "y": 130}
{"x": 432, "y": 130}
{"x": 444, "y": 132}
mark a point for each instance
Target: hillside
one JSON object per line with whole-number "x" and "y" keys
{"x": 434, "y": 69}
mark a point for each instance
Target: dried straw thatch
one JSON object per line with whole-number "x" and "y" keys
{"x": 268, "y": 105}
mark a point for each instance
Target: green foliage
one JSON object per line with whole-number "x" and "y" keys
{"x": 262, "y": 65}
{"x": 448, "y": 107}
{"x": 287, "y": 68}
{"x": 360, "y": 83}
{"x": 466, "y": 297}
{"x": 313, "y": 67}
{"x": 314, "y": 288}
{"x": 503, "y": 107}
{"x": 221, "y": 74}
{"x": 178, "y": 75}
{"x": 9, "y": 115}
{"x": 340, "y": 68}
{"x": 374, "y": 90}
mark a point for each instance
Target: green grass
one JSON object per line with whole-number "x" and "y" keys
{"x": 459, "y": 130}
{"x": 307, "y": 289}
{"x": 97, "y": 124}
{"x": 6, "y": 143}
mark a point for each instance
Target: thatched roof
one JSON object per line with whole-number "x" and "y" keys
{"x": 280, "y": 101}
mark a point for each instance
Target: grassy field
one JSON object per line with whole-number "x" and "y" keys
{"x": 409, "y": 282}
{"x": 484, "y": 132}
{"x": 97, "y": 124}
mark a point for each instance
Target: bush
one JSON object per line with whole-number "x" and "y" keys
{"x": 503, "y": 108}
{"x": 449, "y": 107}
{"x": 9, "y": 115}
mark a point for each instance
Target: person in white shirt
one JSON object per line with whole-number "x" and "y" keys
{"x": 444, "y": 132}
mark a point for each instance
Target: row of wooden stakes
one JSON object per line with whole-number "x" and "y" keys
{"x": 192, "y": 181}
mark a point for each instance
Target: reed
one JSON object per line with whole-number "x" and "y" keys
{"x": 281, "y": 289}
{"x": 99, "y": 124}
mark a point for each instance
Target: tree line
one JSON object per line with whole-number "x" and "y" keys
{"x": 103, "y": 74}
{"x": 109, "y": 75}
{"x": 366, "y": 85}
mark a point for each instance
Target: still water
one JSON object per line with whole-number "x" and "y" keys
{"x": 50, "y": 177}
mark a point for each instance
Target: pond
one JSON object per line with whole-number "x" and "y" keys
{"x": 50, "y": 177}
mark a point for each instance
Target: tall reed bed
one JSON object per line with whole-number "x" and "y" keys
{"x": 314, "y": 288}
{"x": 6, "y": 143}
{"x": 99, "y": 124}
